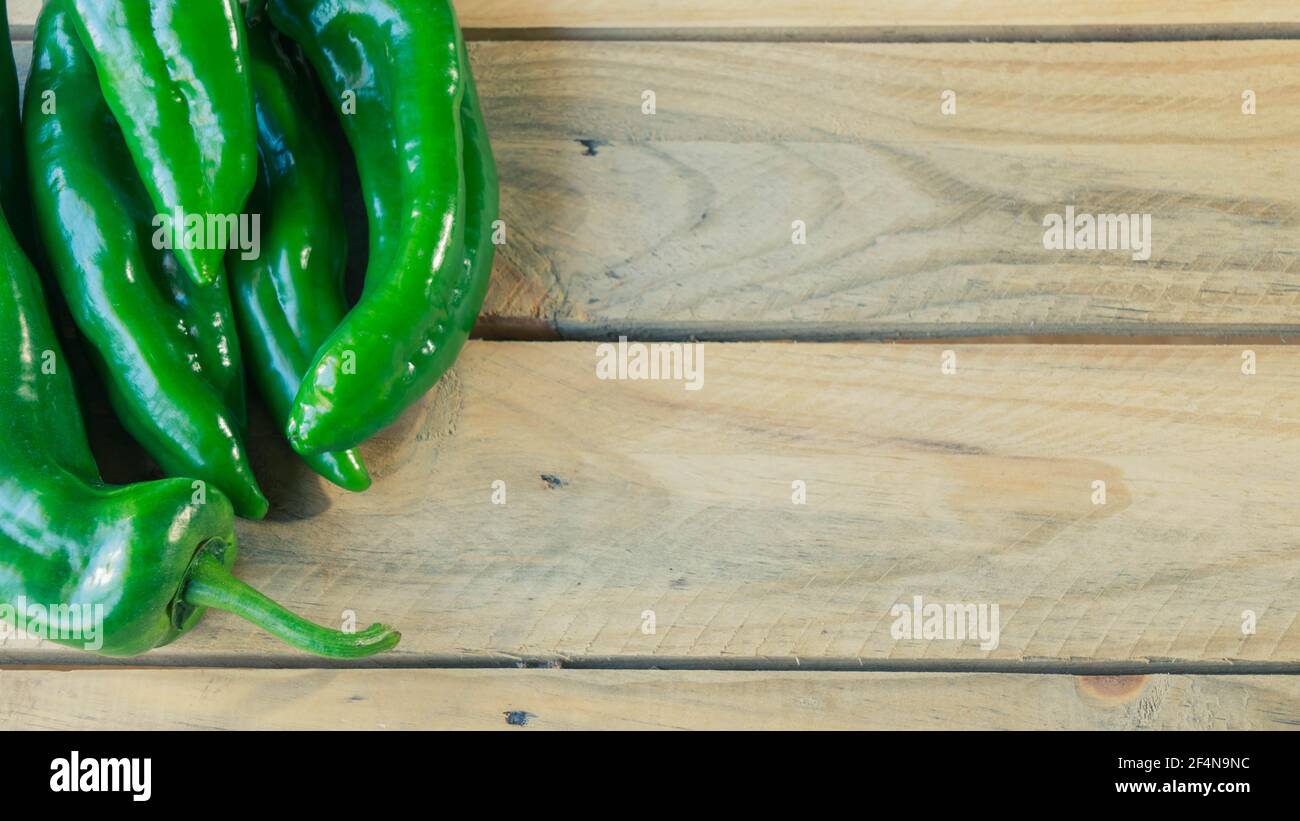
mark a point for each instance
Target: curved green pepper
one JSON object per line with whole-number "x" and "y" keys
{"x": 427, "y": 175}
{"x": 114, "y": 570}
{"x": 174, "y": 73}
{"x": 289, "y": 299}
{"x": 167, "y": 347}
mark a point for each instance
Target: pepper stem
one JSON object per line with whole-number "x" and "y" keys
{"x": 210, "y": 584}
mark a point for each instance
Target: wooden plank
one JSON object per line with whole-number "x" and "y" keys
{"x": 22, "y": 16}
{"x": 833, "y": 14}
{"x": 646, "y": 521}
{"x": 918, "y": 224}
{"x": 234, "y": 699}
{"x": 693, "y": 229}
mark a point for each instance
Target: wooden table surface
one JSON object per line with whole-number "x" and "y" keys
{"x": 949, "y": 393}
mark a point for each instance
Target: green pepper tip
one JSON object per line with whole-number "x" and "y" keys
{"x": 211, "y": 584}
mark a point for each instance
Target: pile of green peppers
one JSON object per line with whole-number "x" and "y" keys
{"x": 152, "y": 134}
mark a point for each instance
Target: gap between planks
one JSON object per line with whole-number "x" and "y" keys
{"x": 848, "y": 20}
{"x": 917, "y": 34}
{"x": 23, "y": 33}
{"x": 500, "y": 329}
{"x": 683, "y": 664}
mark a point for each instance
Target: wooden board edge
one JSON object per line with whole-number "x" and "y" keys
{"x": 875, "y": 20}
{"x": 521, "y": 700}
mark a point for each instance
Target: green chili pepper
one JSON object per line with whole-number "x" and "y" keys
{"x": 174, "y": 73}
{"x": 289, "y": 299}
{"x": 167, "y": 347}
{"x": 428, "y": 177}
{"x": 115, "y": 570}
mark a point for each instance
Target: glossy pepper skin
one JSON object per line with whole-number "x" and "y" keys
{"x": 430, "y": 185}
{"x": 175, "y": 75}
{"x": 144, "y": 560}
{"x": 290, "y": 298}
{"x": 167, "y": 347}
{"x": 67, "y": 537}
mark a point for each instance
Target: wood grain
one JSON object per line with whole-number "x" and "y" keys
{"x": 526, "y": 700}
{"x": 833, "y": 14}
{"x": 584, "y": 14}
{"x": 631, "y": 496}
{"x": 918, "y": 224}
{"x": 629, "y": 499}
{"x": 22, "y": 16}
